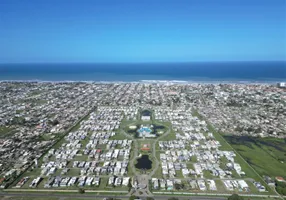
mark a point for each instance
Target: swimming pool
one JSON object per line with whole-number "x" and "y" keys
{"x": 144, "y": 129}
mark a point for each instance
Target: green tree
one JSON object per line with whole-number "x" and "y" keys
{"x": 235, "y": 197}
{"x": 81, "y": 190}
{"x": 281, "y": 187}
{"x": 173, "y": 198}
{"x": 133, "y": 197}
{"x": 129, "y": 185}
{"x": 149, "y": 198}
{"x": 177, "y": 186}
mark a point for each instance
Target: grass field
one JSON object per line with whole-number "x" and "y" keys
{"x": 119, "y": 136}
{"x": 158, "y": 173}
{"x": 171, "y": 136}
{"x": 266, "y": 155}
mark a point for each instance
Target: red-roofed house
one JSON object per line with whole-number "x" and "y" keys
{"x": 280, "y": 179}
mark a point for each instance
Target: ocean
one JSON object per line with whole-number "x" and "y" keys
{"x": 133, "y": 72}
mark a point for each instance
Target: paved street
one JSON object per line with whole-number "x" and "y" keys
{"x": 88, "y": 196}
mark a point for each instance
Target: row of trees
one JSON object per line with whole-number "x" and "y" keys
{"x": 232, "y": 197}
{"x": 281, "y": 187}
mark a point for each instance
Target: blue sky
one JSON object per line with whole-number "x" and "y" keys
{"x": 142, "y": 30}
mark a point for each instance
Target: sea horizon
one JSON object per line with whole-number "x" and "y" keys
{"x": 188, "y": 72}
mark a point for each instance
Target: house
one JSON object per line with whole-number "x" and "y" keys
{"x": 269, "y": 181}
{"x": 81, "y": 181}
{"x": 118, "y": 181}
{"x": 57, "y": 181}
{"x": 64, "y": 182}
{"x": 170, "y": 185}
{"x": 228, "y": 185}
{"x": 72, "y": 181}
{"x": 145, "y": 118}
{"x": 50, "y": 182}
{"x": 89, "y": 181}
{"x": 125, "y": 181}
{"x": 280, "y": 179}
{"x": 193, "y": 184}
{"x": 259, "y": 187}
{"x": 202, "y": 185}
{"x": 212, "y": 185}
{"x": 162, "y": 184}
{"x": 111, "y": 180}
{"x": 243, "y": 185}
{"x": 35, "y": 182}
{"x": 21, "y": 182}
{"x": 96, "y": 181}
{"x": 185, "y": 172}
{"x": 155, "y": 183}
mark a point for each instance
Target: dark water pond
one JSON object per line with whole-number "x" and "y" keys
{"x": 155, "y": 127}
{"x": 278, "y": 144}
{"x": 144, "y": 162}
{"x": 146, "y": 113}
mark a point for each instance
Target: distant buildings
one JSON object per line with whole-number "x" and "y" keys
{"x": 145, "y": 118}
{"x": 89, "y": 155}
{"x": 282, "y": 85}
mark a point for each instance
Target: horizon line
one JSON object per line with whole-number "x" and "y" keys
{"x": 147, "y": 62}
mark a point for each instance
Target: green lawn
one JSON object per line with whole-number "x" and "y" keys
{"x": 252, "y": 188}
{"x": 266, "y": 155}
{"x": 31, "y": 198}
{"x": 119, "y": 136}
{"x": 19, "y": 111}
{"x": 125, "y": 123}
{"x": 171, "y": 136}
{"x": 129, "y": 168}
{"x": 261, "y": 198}
{"x": 73, "y": 172}
{"x": 220, "y": 186}
{"x": 208, "y": 175}
{"x": 34, "y": 101}
{"x": 179, "y": 174}
{"x": 35, "y": 92}
{"x": 158, "y": 173}
{"x": 164, "y": 123}
{"x": 5, "y": 129}
{"x": 41, "y": 102}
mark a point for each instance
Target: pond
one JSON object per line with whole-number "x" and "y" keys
{"x": 158, "y": 128}
{"x": 146, "y": 113}
{"x": 144, "y": 162}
